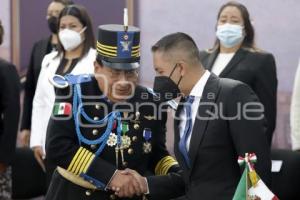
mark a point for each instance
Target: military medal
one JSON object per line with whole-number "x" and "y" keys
{"x": 147, "y": 147}
{"x": 112, "y": 140}
{"x": 125, "y": 127}
{"x": 147, "y": 134}
{"x": 126, "y": 141}
{"x": 114, "y": 125}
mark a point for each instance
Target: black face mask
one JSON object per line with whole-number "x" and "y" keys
{"x": 165, "y": 88}
{"x": 53, "y": 24}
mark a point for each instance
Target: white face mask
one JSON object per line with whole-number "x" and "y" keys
{"x": 70, "y": 39}
{"x": 230, "y": 34}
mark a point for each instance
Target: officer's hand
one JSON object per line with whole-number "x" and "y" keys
{"x": 125, "y": 185}
{"x": 24, "y": 138}
{"x": 39, "y": 156}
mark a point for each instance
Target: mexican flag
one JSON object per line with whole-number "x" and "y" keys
{"x": 251, "y": 187}
{"x": 62, "y": 109}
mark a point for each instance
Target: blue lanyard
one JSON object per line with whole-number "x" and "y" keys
{"x": 109, "y": 119}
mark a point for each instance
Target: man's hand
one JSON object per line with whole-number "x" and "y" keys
{"x": 39, "y": 156}
{"x": 125, "y": 185}
{"x": 141, "y": 180}
{"x": 24, "y": 138}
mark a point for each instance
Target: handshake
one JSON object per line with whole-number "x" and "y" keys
{"x": 128, "y": 183}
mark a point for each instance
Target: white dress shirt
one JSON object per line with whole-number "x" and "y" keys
{"x": 221, "y": 62}
{"x": 295, "y": 112}
{"x": 197, "y": 92}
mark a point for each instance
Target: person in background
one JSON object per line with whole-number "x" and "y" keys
{"x": 295, "y": 112}
{"x": 39, "y": 50}
{"x": 9, "y": 112}
{"x": 235, "y": 56}
{"x": 75, "y": 55}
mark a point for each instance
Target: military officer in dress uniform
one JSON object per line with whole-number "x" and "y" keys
{"x": 105, "y": 123}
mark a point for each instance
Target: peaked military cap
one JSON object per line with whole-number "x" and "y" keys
{"x": 119, "y": 47}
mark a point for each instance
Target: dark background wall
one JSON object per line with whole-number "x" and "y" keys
{"x": 33, "y": 24}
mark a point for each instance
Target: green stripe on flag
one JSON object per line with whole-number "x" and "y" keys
{"x": 56, "y": 108}
{"x": 242, "y": 188}
{"x": 62, "y": 109}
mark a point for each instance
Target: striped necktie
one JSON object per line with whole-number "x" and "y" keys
{"x": 187, "y": 130}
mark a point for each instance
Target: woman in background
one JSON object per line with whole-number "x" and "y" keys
{"x": 39, "y": 50}
{"x": 235, "y": 56}
{"x": 75, "y": 55}
{"x": 295, "y": 112}
{"x": 9, "y": 120}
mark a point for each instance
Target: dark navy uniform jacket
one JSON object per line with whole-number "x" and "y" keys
{"x": 63, "y": 148}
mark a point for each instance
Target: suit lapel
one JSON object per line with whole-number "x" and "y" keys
{"x": 178, "y": 155}
{"x": 211, "y": 60}
{"x": 45, "y": 44}
{"x": 239, "y": 55}
{"x": 209, "y": 96}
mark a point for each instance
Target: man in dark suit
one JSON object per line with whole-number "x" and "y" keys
{"x": 9, "y": 112}
{"x": 39, "y": 50}
{"x": 216, "y": 121}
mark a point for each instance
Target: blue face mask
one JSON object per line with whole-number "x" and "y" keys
{"x": 230, "y": 34}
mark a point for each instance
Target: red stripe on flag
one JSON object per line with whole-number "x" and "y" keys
{"x": 68, "y": 109}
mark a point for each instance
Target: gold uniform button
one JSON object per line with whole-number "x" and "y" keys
{"x": 134, "y": 138}
{"x": 96, "y": 118}
{"x": 93, "y": 146}
{"x": 95, "y": 132}
{"x": 130, "y": 151}
{"x": 136, "y": 126}
{"x": 88, "y": 193}
{"x": 112, "y": 197}
{"x": 97, "y": 106}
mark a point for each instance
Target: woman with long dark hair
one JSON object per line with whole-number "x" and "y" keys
{"x": 75, "y": 55}
{"x": 236, "y": 56}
